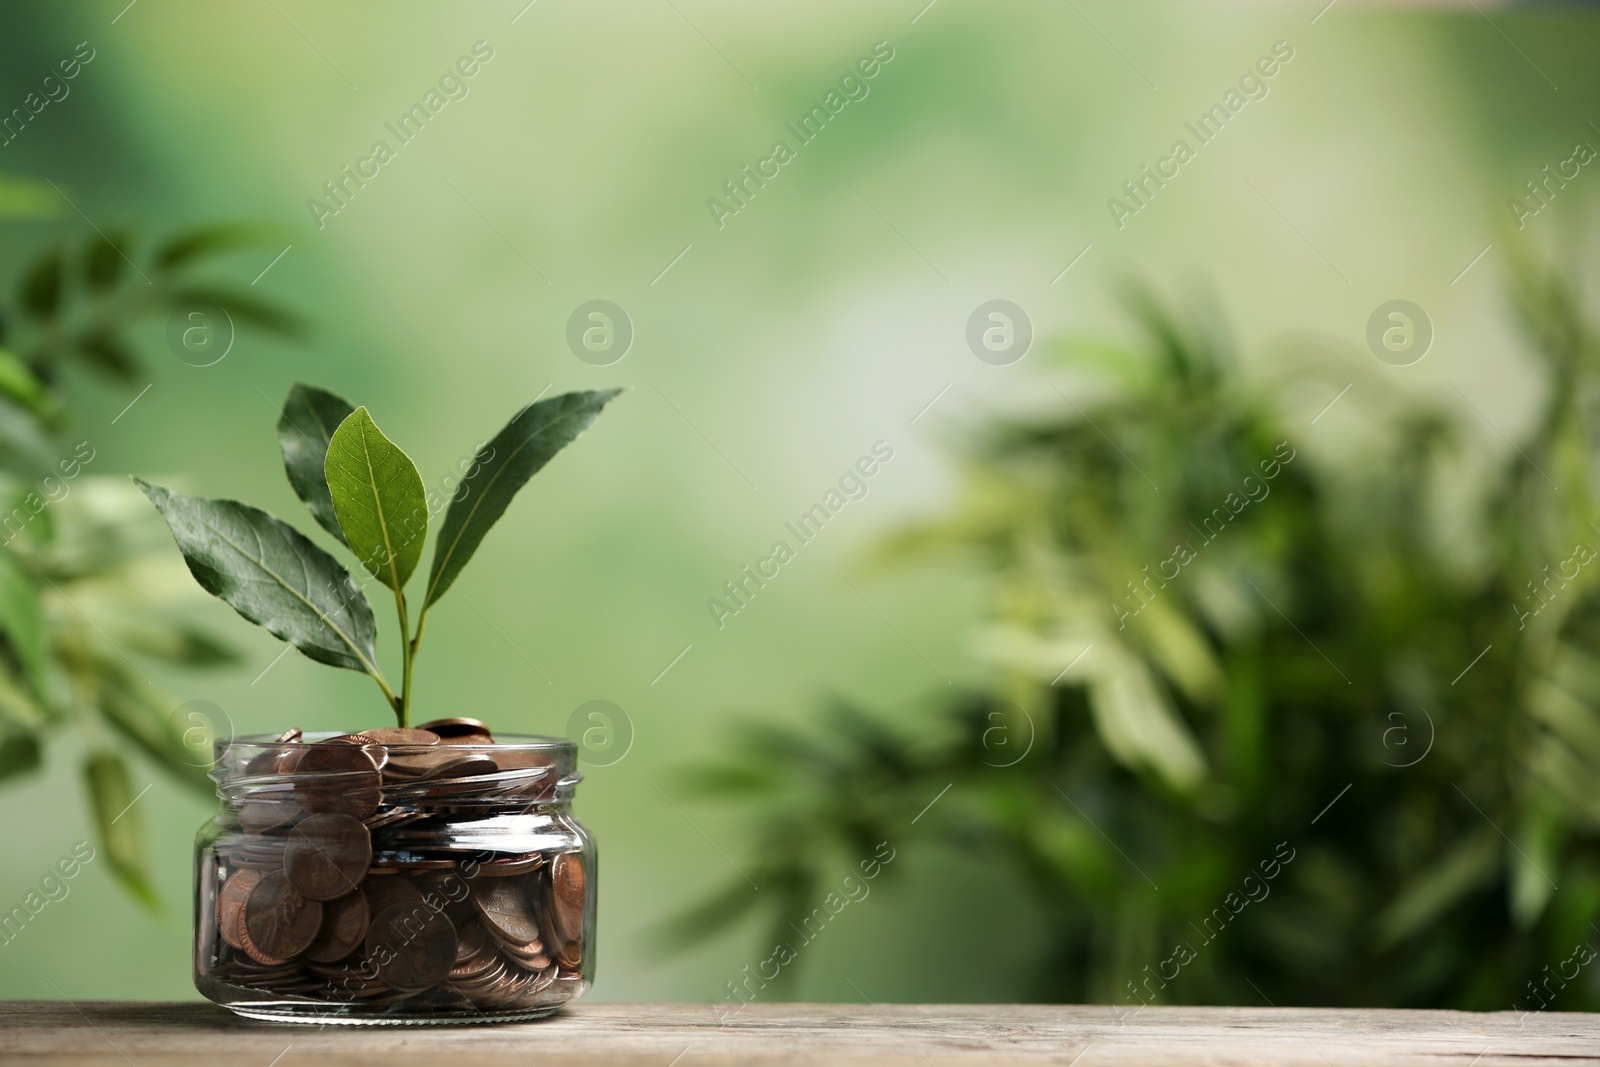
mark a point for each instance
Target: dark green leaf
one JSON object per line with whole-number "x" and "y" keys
{"x": 203, "y": 241}
{"x": 241, "y": 307}
{"x": 186, "y": 757}
{"x": 175, "y": 643}
{"x": 42, "y": 285}
{"x": 269, "y": 573}
{"x": 379, "y": 499}
{"x": 310, "y": 415}
{"x": 105, "y": 258}
{"x": 502, "y": 467}
{"x": 118, "y": 823}
{"x": 19, "y": 754}
{"x": 20, "y": 618}
{"x": 110, "y": 354}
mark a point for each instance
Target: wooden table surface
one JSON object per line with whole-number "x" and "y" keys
{"x": 123, "y": 1034}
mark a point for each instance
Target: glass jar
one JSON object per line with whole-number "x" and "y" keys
{"x": 351, "y": 881}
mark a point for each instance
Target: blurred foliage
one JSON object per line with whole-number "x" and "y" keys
{"x": 82, "y": 589}
{"x": 1383, "y": 669}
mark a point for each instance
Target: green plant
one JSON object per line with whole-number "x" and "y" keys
{"x": 81, "y": 596}
{"x": 1377, "y": 661}
{"x": 366, "y": 492}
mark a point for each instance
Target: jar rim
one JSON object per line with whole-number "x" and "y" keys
{"x": 501, "y": 743}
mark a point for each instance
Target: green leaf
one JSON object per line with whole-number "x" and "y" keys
{"x": 310, "y": 415}
{"x": 379, "y": 499}
{"x": 503, "y": 466}
{"x": 150, "y": 728}
{"x": 243, "y": 308}
{"x": 24, "y": 199}
{"x": 105, "y": 258}
{"x": 175, "y": 643}
{"x": 118, "y": 824}
{"x": 110, "y": 354}
{"x": 20, "y": 619}
{"x": 203, "y": 241}
{"x": 271, "y": 574}
{"x": 18, "y": 382}
{"x": 19, "y": 754}
{"x": 42, "y": 284}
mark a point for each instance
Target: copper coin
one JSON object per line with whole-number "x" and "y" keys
{"x": 523, "y": 759}
{"x": 385, "y": 893}
{"x": 230, "y": 905}
{"x": 396, "y": 735}
{"x": 364, "y": 740}
{"x": 258, "y": 816}
{"x": 471, "y": 938}
{"x": 510, "y": 865}
{"x": 338, "y": 778}
{"x": 279, "y": 921}
{"x": 275, "y": 760}
{"x": 344, "y": 928}
{"x": 327, "y": 856}
{"x": 412, "y": 947}
{"x": 463, "y": 767}
{"x": 459, "y": 727}
{"x": 416, "y": 762}
{"x": 505, "y": 910}
{"x": 250, "y": 948}
{"x": 567, "y": 890}
{"x": 294, "y": 733}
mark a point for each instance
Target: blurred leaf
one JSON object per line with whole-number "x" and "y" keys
{"x": 197, "y": 243}
{"x": 105, "y": 258}
{"x": 42, "y": 285}
{"x": 240, "y": 306}
{"x": 110, "y": 354}
{"x": 20, "y": 619}
{"x": 19, "y": 754}
{"x": 529, "y": 441}
{"x": 24, "y": 199}
{"x": 379, "y": 499}
{"x": 150, "y": 728}
{"x": 17, "y": 382}
{"x": 1443, "y": 883}
{"x": 310, "y": 416}
{"x": 178, "y": 643}
{"x": 112, "y": 798}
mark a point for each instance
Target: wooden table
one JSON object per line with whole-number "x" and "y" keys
{"x": 121, "y": 1034}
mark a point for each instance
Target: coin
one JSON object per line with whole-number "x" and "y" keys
{"x": 505, "y": 911}
{"x": 412, "y": 947}
{"x": 395, "y": 735}
{"x": 275, "y": 760}
{"x": 249, "y": 945}
{"x": 327, "y": 855}
{"x": 278, "y": 921}
{"x": 290, "y": 735}
{"x": 416, "y": 762}
{"x": 385, "y": 893}
{"x": 338, "y": 778}
{"x": 567, "y": 884}
{"x": 458, "y": 727}
{"x": 514, "y": 759}
{"x": 344, "y": 928}
{"x": 230, "y": 905}
{"x": 462, "y": 767}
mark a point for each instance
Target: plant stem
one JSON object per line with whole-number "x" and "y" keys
{"x": 407, "y": 654}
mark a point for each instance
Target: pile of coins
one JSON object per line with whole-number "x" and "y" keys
{"x": 380, "y": 868}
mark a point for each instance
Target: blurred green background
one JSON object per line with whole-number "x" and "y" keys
{"x": 768, "y": 354}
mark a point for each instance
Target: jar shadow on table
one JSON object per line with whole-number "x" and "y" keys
{"x": 349, "y": 879}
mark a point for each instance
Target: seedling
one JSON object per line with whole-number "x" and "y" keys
{"x": 366, "y": 492}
